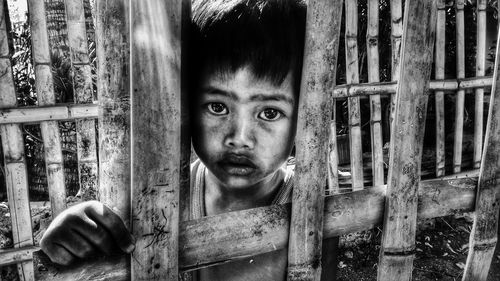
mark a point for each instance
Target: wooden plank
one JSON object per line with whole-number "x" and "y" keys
{"x": 439, "y": 61}
{"x": 479, "y": 93}
{"x": 459, "y": 103}
{"x": 400, "y": 217}
{"x": 37, "y": 114}
{"x": 483, "y": 238}
{"x": 156, "y": 137}
{"x": 45, "y": 94}
{"x": 375, "y": 105}
{"x": 216, "y": 239}
{"x": 314, "y": 115}
{"x": 83, "y": 91}
{"x": 396, "y": 40}
{"x": 352, "y": 77}
{"x": 16, "y": 178}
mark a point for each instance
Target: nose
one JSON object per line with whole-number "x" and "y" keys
{"x": 240, "y": 134}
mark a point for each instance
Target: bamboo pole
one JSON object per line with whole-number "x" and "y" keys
{"x": 459, "y": 104}
{"x": 439, "y": 95}
{"x": 375, "y": 105}
{"x": 352, "y": 77}
{"x": 36, "y": 114}
{"x": 483, "y": 238}
{"x": 222, "y": 238}
{"x": 400, "y": 217}
{"x": 479, "y": 93}
{"x": 314, "y": 115}
{"x": 333, "y": 154}
{"x": 16, "y": 176}
{"x": 396, "y": 39}
{"x": 17, "y": 255}
{"x": 156, "y": 137}
{"x": 83, "y": 91}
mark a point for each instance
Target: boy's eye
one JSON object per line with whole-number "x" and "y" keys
{"x": 217, "y": 108}
{"x": 270, "y": 114}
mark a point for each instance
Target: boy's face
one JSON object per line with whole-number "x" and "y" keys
{"x": 244, "y": 127}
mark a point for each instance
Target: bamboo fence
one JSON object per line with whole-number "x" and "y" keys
{"x": 131, "y": 41}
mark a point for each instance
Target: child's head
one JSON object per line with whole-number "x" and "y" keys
{"x": 245, "y": 65}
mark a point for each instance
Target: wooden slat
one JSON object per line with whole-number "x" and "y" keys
{"x": 459, "y": 103}
{"x": 83, "y": 91}
{"x": 17, "y": 255}
{"x": 45, "y": 94}
{"x": 479, "y": 93}
{"x": 352, "y": 77}
{"x": 14, "y": 160}
{"x": 375, "y": 105}
{"x": 156, "y": 137}
{"x": 483, "y": 238}
{"x": 217, "y": 239}
{"x": 396, "y": 39}
{"x": 400, "y": 217}
{"x": 439, "y": 61}
{"x": 314, "y": 115}
{"x": 37, "y": 114}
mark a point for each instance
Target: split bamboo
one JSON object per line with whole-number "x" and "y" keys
{"x": 14, "y": 160}
{"x": 459, "y": 108}
{"x": 396, "y": 39}
{"x": 156, "y": 137}
{"x": 483, "y": 238}
{"x": 83, "y": 91}
{"x": 400, "y": 217}
{"x": 375, "y": 105}
{"x": 36, "y": 114}
{"x": 352, "y": 77}
{"x": 333, "y": 154}
{"x": 113, "y": 89}
{"x": 217, "y": 239}
{"x": 480, "y": 68}
{"x": 439, "y": 95}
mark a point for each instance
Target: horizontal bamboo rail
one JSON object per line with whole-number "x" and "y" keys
{"x": 37, "y": 114}
{"x": 17, "y": 255}
{"x": 218, "y": 239}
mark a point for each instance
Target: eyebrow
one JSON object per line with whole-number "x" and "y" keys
{"x": 256, "y": 97}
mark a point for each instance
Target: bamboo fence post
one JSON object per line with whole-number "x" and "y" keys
{"x": 314, "y": 114}
{"x": 483, "y": 238}
{"x": 375, "y": 106}
{"x": 156, "y": 137}
{"x": 113, "y": 88}
{"x": 15, "y": 162}
{"x": 479, "y": 93}
{"x": 45, "y": 93}
{"x": 396, "y": 40}
{"x": 352, "y": 77}
{"x": 400, "y": 218}
{"x": 459, "y": 108}
{"x": 82, "y": 88}
{"x": 439, "y": 95}
{"x": 333, "y": 153}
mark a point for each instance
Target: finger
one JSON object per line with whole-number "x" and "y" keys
{"x": 78, "y": 245}
{"x": 58, "y": 254}
{"x": 98, "y": 236}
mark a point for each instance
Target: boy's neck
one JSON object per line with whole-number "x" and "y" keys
{"x": 221, "y": 199}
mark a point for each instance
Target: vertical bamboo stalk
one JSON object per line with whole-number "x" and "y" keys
{"x": 82, "y": 89}
{"x": 396, "y": 38}
{"x": 483, "y": 238}
{"x": 45, "y": 93}
{"x": 156, "y": 137}
{"x": 15, "y": 163}
{"x": 439, "y": 95}
{"x": 318, "y": 79}
{"x": 333, "y": 154}
{"x": 400, "y": 218}
{"x": 459, "y": 105}
{"x": 113, "y": 88}
{"x": 479, "y": 92}
{"x": 352, "y": 77}
{"x": 375, "y": 106}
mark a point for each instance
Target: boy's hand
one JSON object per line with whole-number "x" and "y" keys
{"x": 85, "y": 230}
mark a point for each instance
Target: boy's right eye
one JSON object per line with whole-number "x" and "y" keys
{"x": 217, "y": 108}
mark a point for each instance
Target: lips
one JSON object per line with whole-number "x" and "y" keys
{"x": 237, "y": 165}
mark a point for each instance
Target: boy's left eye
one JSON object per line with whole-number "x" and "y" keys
{"x": 270, "y": 114}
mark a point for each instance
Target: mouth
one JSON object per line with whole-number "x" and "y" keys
{"x": 237, "y": 165}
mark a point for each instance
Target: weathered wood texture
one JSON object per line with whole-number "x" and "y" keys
{"x": 113, "y": 89}
{"x": 398, "y": 238}
{"x": 83, "y": 91}
{"x": 215, "y": 239}
{"x": 314, "y": 114}
{"x": 352, "y": 77}
{"x": 483, "y": 238}
{"x": 439, "y": 61}
{"x": 459, "y": 104}
{"x": 156, "y": 137}
{"x": 375, "y": 104}
{"x": 396, "y": 40}
{"x": 16, "y": 178}
{"x": 45, "y": 94}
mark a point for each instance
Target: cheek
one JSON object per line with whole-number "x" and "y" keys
{"x": 279, "y": 140}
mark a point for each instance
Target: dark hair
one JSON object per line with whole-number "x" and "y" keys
{"x": 267, "y": 36}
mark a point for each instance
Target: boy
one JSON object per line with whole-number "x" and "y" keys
{"x": 245, "y": 62}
